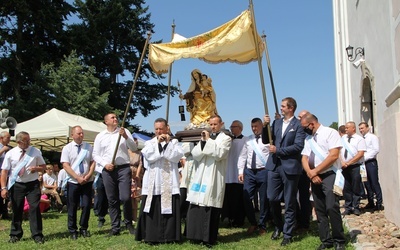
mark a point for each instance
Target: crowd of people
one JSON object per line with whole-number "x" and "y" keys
{"x": 288, "y": 160}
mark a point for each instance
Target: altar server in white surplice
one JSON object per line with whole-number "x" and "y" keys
{"x": 160, "y": 220}
{"x": 233, "y": 207}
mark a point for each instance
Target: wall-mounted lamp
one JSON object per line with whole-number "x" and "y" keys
{"x": 350, "y": 56}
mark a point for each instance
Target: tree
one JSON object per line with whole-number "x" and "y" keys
{"x": 111, "y": 37}
{"x": 334, "y": 125}
{"x": 75, "y": 89}
{"x": 31, "y": 33}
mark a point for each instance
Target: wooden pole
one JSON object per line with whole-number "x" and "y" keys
{"x": 131, "y": 94}
{"x": 256, "y": 44}
{"x": 169, "y": 76}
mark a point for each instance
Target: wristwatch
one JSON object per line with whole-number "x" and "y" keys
{"x": 3, "y": 188}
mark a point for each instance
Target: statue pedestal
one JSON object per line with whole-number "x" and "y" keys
{"x": 194, "y": 135}
{"x": 191, "y": 135}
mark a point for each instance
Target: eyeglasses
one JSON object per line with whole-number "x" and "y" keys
{"x": 234, "y": 126}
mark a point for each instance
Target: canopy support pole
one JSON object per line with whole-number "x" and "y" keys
{"x": 132, "y": 91}
{"x": 260, "y": 67}
{"x": 169, "y": 76}
{"x": 264, "y": 37}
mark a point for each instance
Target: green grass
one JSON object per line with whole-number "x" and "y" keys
{"x": 56, "y": 237}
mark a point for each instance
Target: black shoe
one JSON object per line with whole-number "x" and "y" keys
{"x": 325, "y": 246}
{"x": 113, "y": 233}
{"x": 286, "y": 241}
{"x": 340, "y": 247}
{"x": 275, "y": 235}
{"x": 100, "y": 224}
{"x": 38, "y": 240}
{"x": 356, "y": 211}
{"x": 378, "y": 208}
{"x": 13, "y": 239}
{"x": 130, "y": 228}
{"x": 346, "y": 212}
{"x": 85, "y": 233}
{"x": 369, "y": 206}
{"x": 74, "y": 236}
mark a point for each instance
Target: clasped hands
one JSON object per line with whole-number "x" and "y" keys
{"x": 83, "y": 179}
{"x": 164, "y": 137}
{"x": 314, "y": 176}
{"x": 205, "y": 135}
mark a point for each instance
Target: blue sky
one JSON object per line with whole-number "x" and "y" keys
{"x": 301, "y": 51}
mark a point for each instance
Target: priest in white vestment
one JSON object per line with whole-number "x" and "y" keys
{"x": 160, "y": 219}
{"x": 206, "y": 192}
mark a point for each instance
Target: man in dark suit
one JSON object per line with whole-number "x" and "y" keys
{"x": 284, "y": 167}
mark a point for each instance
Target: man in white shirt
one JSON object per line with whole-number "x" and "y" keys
{"x": 252, "y": 173}
{"x": 77, "y": 161}
{"x": 320, "y": 160}
{"x": 352, "y": 154}
{"x": 117, "y": 174}
{"x": 372, "y": 185}
{"x": 23, "y": 162}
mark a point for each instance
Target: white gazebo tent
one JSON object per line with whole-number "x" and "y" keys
{"x": 52, "y": 130}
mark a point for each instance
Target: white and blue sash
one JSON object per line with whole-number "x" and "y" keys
{"x": 256, "y": 150}
{"x": 75, "y": 166}
{"x": 21, "y": 164}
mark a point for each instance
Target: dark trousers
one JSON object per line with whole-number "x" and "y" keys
{"x": 281, "y": 183}
{"x": 32, "y": 192}
{"x": 79, "y": 195}
{"x": 100, "y": 205}
{"x": 184, "y": 204}
{"x": 255, "y": 180}
{"x": 352, "y": 187}
{"x": 372, "y": 185}
{"x": 304, "y": 208}
{"x": 118, "y": 190}
{"x": 3, "y": 208}
{"x": 327, "y": 209}
{"x": 233, "y": 206}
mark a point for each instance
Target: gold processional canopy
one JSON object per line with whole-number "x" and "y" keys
{"x": 230, "y": 42}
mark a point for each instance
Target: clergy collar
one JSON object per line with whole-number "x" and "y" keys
{"x": 214, "y": 135}
{"x": 238, "y": 137}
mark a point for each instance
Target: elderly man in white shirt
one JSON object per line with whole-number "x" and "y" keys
{"x": 23, "y": 162}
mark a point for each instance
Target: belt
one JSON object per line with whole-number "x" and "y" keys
{"x": 257, "y": 169}
{"x": 326, "y": 174}
{"x": 122, "y": 166}
{"x": 370, "y": 160}
{"x": 354, "y": 165}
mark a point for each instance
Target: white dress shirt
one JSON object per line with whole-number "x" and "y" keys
{"x": 104, "y": 148}
{"x": 246, "y": 154}
{"x": 357, "y": 143}
{"x": 69, "y": 154}
{"x": 372, "y": 143}
{"x": 327, "y": 139}
{"x": 12, "y": 158}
